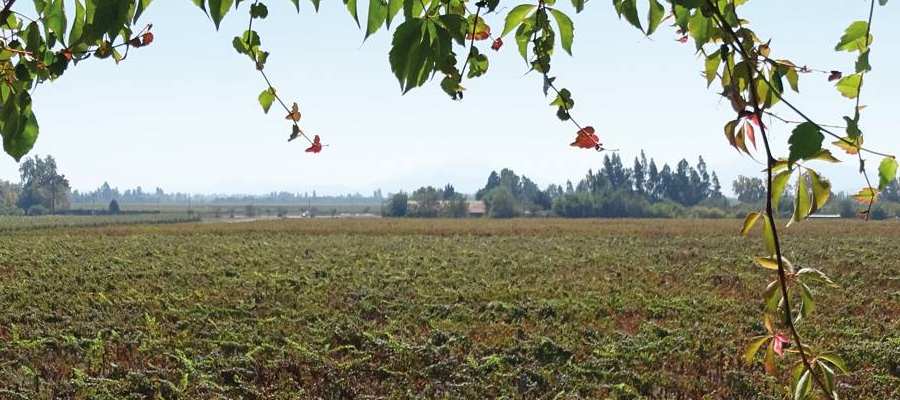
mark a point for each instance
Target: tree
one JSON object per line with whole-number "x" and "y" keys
{"x": 43, "y": 185}
{"x": 397, "y": 205}
{"x": 653, "y": 184}
{"x": 749, "y": 190}
{"x": 638, "y": 172}
{"x": 892, "y": 191}
{"x": 427, "y": 202}
{"x": 501, "y": 203}
{"x": 492, "y": 182}
{"x": 113, "y": 207}
{"x": 716, "y": 187}
{"x": 615, "y": 173}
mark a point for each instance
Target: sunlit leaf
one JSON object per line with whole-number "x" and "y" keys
{"x": 821, "y": 190}
{"x": 655, "y": 15}
{"x": 566, "y": 29}
{"x": 749, "y": 222}
{"x": 516, "y": 16}
{"x": 779, "y": 182}
{"x": 753, "y": 348}
{"x": 866, "y": 195}
{"x": 802, "y": 201}
{"x": 218, "y": 9}
{"x": 849, "y": 85}
{"x": 887, "y": 172}
{"x": 854, "y": 38}
{"x": 266, "y": 98}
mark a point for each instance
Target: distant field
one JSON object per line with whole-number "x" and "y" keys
{"x": 224, "y": 210}
{"x": 13, "y": 223}
{"x": 335, "y": 309}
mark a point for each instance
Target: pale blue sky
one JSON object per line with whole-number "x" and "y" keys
{"x": 182, "y": 113}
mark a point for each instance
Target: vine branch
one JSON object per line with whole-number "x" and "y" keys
{"x": 735, "y": 45}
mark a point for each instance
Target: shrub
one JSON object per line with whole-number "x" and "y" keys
{"x": 37, "y": 209}
{"x": 398, "y": 205}
{"x": 113, "y": 207}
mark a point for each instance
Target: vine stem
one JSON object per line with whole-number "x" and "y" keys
{"x": 4, "y": 13}
{"x": 862, "y": 74}
{"x": 547, "y": 80}
{"x": 735, "y": 44}
{"x": 268, "y": 82}
{"x": 471, "y": 42}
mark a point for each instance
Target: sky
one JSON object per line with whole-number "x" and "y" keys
{"x": 182, "y": 114}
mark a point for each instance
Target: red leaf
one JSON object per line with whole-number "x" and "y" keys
{"x": 316, "y": 145}
{"x": 682, "y": 39}
{"x": 748, "y": 128}
{"x": 146, "y": 38}
{"x": 779, "y": 341}
{"x": 498, "y": 43}
{"x": 586, "y": 139}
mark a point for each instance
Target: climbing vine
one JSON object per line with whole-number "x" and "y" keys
{"x": 41, "y": 44}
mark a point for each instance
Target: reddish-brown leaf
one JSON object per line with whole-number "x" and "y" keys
{"x": 316, "y": 145}
{"x": 498, "y": 43}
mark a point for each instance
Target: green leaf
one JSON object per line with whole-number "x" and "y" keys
{"x": 18, "y": 124}
{"x": 141, "y": 6}
{"x": 835, "y": 360}
{"x": 712, "y": 66}
{"x": 523, "y": 35}
{"x": 778, "y": 184}
{"x": 218, "y": 9}
{"x": 700, "y": 29}
{"x": 315, "y": 4}
{"x": 394, "y": 7}
{"x": 854, "y": 38}
{"x": 802, "y": 386}
{"x": 77, "y": 24}
{"x": 802, "y": 201}
{"x": 807, "y": 304}
{"x": 821, "y": 190}
{"x": 805, "y": 142}
{"x": 578, "y": 4}
{"x": 654, "y": 16}
{"x": 753, "y": 348}
{"x": 862, "y": 63}
{"x": 351, "y": 8}
{"x": 849, "y": 85}
{"x": 258, "y": 10}
{"x": 266, "y": 98}
{"x": 378, "y": 12}
{"x": 768, "y": 236}
{"x": 478, "y": 64}
{"x": 566, "y": 29}
{"x": 628, "y": 9}
{"x": 55, "y": 18}
{"x": 887, "y": 172}
{"x": 516, "y": 16}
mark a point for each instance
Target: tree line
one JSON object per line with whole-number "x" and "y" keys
{"x": 643, "y": 190}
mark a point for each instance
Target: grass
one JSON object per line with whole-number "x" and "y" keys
{"x": 427, "y": 309}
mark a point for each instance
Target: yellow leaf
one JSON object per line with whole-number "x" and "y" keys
{"x": 749, "y": 222}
